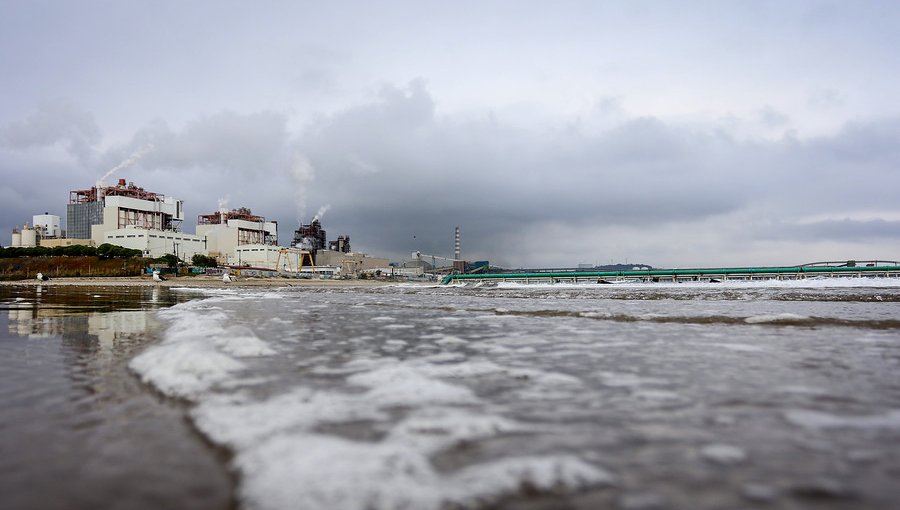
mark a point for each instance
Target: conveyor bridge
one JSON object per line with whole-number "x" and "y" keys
{"x": 845, "y": 269}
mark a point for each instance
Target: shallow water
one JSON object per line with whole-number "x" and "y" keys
{"x": 545, "y": 397}
{"x": 77, "y": 429}
{"x": 628, "y": 397}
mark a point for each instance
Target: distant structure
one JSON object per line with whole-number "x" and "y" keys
{"x": 312, "y": 237}
{"x": 456, "y": 246}
{"x": 132, "y": 217}
{"x": 309, "y": 237}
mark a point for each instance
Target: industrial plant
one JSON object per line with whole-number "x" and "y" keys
{"x": 132, "y": 217}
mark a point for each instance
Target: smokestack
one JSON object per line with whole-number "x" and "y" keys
{"x": 456, "y": 250}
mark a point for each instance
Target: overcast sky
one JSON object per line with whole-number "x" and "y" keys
{"x": 669, "y": 133}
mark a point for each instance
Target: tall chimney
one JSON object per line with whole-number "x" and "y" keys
{"x": 456, "y": 250}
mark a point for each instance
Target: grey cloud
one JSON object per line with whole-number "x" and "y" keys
{"x": 840, "y": 230}
{"x": 54, "y": 122}
{"x": 246, "y": 157}
{"x": 439, "y": 172}
{"x": 428, "y": 173}
{"x": 225, "y": 141}
{"x": 772, "y": 118}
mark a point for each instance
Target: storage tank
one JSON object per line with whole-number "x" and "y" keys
{"x": 16, "y": 238}
{"x": 29, "y": 237}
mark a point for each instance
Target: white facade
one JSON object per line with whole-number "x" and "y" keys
{"x": 266, "y": 256}
{"x": 156, "y": 243}
{"x": 127, "y": 212}
{"x": 224, "y": 238}
{"x": 48, "y": 225}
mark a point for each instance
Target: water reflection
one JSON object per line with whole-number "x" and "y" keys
{"x": 80, "y": 431}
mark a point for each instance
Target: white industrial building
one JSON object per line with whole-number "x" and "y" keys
{"x": 226, "y": 231}
{"x": 156, "y": 243}
{"x": 132, "y": 217}
{"x": 94, "y": 213}
{"x": 48, "y": 226}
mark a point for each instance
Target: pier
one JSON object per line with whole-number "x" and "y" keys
{"x": 843, "y": 269}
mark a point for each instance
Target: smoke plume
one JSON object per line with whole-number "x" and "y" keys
{"x": 321, "y": 212}
{"x": 302, "y": 173}
{"x": 130, "y": 160}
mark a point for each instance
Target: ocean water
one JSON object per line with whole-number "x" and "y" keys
{"x": 691, "y": 396}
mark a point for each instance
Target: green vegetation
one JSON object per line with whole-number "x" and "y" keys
{"x": 109, "y": 251}
{"x": 168, "y": 259}
{"x": 105, "y": 251}
{"x": 204, "y": 261}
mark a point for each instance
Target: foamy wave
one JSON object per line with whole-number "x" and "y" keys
{"x": 184, "y": 369}
{"x": 317, "y": 471}
{"x": 778, "y": 317}
{"x": 404, "y": 385}
{"x": 197, "y": 352}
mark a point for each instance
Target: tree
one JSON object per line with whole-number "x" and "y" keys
{"x": 170, "y": 259}
{"x": 203, "y": 261}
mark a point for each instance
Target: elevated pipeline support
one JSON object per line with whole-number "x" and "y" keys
{"x": 685, "y": 275}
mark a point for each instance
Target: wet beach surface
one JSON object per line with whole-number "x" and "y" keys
{"x": 418, "y": 397}
{"x": 77, "y": 429}
{"x": 683, "y": 397}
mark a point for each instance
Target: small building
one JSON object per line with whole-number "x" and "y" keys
{"x": 352, "y": 263}
{"x": 54, "y": 243}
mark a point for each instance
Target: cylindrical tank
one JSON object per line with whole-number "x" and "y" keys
{"x": 16, "y": 239}
{"x": 29, "y": 237}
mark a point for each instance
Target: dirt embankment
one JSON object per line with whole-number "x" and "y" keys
{"x": 25, "y": 268}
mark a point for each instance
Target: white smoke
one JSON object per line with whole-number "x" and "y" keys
{"x": 302, "y": 173}
{"x": 223, "y": 202}
{"x": 130, "y": 160}
{"x": 322, "y": 210}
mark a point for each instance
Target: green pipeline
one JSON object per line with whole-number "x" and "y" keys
{"x": 674, "y": 272}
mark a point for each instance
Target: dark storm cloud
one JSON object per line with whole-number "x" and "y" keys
{"x": 397, "y": 161}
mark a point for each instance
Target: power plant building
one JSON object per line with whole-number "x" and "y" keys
{"x": 131, "y": 217}
{"x": 225, "y": 231}
{"x": 93, "y": 213}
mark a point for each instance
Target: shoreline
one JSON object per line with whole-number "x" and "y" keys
{"x": 196, "y": 282}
